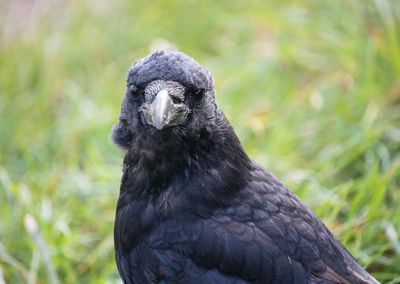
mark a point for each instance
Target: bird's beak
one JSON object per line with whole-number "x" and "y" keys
{"x": 160, "y": 107}
{"x": 163, "y": 112}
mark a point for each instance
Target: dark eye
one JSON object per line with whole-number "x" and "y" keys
{"x": 133, "y": 89}
{"x": 199, "y": 94}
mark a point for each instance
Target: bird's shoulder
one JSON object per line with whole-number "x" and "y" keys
{"x": 281, "y": 216}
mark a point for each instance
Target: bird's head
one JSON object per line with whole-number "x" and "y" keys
{"x": 169, "y": 98}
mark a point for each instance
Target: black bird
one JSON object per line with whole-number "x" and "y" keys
{"x": 193, "y": 207}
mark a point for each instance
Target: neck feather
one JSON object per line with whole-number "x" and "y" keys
{"x": 207, "y": 170}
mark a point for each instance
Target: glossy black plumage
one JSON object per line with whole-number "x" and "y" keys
{"x": 193, "y": 208}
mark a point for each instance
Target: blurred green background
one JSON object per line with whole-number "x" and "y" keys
{"x": 311, "y": 87}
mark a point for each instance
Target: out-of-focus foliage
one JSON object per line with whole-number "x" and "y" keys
{"x": 312, "y": 89}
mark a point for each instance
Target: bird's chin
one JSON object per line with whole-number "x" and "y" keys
{"x": 170, "y": 136}
{"x": 165, "y": 131}
{"x": 151, "y": 137}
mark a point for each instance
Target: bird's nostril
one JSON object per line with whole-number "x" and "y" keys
{"x": 176, "y": 99}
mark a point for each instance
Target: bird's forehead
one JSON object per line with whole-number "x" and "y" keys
{"x": 170, "y": 65}
{"x": 155, "y": 86}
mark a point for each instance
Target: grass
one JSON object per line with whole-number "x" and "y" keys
{"x": 311, "y": 88}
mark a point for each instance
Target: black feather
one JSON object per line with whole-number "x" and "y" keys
{"x": 193, "y": 208}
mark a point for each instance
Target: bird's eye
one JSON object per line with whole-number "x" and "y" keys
{"x": 199, "y": 94}
{"x": 133, "y": 89}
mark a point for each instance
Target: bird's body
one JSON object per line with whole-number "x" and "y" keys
{"x": 193, "y": 208}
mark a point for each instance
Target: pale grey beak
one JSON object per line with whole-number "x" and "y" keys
{"x": 159, "y": 109}
{"x": 163, "y": 112}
